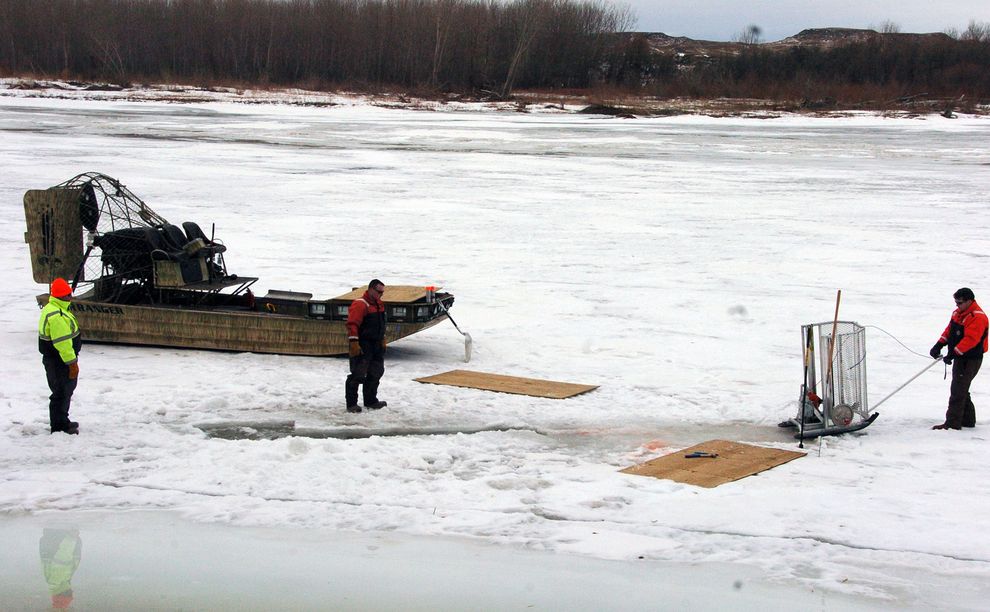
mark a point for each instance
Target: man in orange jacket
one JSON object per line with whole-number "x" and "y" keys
{"x": 966, "y": 337}
{"x": 366, "y": 347}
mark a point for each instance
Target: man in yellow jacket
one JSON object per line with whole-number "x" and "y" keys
{"x": 59, "y": 343}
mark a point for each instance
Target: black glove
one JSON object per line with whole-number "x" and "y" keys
{"x": 948, "y": 357}
{"x": 936, "y": 351}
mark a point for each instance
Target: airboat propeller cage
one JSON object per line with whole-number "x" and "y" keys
{"x": 126, "y": 243}
{"x": 834, "y": 390}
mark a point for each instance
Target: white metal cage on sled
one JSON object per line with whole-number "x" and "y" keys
{"x": 833, "y": 394}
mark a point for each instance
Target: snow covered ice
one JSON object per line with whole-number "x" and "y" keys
{"x": 671, "y": 261}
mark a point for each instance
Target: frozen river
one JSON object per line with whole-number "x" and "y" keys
{"x": 671, "y": 261}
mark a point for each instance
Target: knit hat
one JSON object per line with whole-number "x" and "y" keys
{"x": 60, "y": 288}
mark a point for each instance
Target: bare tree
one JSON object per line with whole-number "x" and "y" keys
{"x": 752, "y": 35}
{"x": 444, "y": 15}
{"x": 525, "y": 21}
{"x": 889, "y": 27}
{"x": 977, "y": 32}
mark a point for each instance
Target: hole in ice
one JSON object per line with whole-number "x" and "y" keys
{"x": 273, "y": 430}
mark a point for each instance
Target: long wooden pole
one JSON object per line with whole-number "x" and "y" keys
{"x": 827, "y": 412}
{"x": 831, "y": 347}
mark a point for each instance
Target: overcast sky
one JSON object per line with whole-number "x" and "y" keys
{"x": 726, "y": 19}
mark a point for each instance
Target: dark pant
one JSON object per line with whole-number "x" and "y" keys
{"x": 961, "y": 411}
{"x": 366, "y": 370}
{"x": 62, "y": 387}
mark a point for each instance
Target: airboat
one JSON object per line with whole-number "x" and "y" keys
{"x": 138, "y": 279}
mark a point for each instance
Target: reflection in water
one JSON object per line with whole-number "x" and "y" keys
{"x": 61, "y": 551}
{"x": 138, "y": 561}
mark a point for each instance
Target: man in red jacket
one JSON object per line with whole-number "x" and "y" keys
{"x": 966, "y": 337}
{"x": 366, "y": 347}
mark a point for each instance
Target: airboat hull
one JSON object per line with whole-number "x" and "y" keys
{"x": 253, "y": 332}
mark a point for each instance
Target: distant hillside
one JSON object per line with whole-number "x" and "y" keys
{"x": 815, "y": 38}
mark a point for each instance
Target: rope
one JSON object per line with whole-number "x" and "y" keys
{"x": 899, "y": 342}
{"x": 945, "y": 371}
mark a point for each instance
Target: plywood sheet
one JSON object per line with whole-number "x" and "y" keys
{"x": 735, "y": 460}
{"x": 508, "y": 384}
{"x": 393, "y": 293}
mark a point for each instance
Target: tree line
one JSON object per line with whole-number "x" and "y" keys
{"x": 884, "y": 66}
{"x": 471, "y": 46}
{"x": 440, "y": 44}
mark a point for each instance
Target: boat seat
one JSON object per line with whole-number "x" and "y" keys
{"x": 193, "y": 231}
{"x": 190, "y": 269}
{"x": 161, "y": 249}
{"x": 174, "y": 237}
